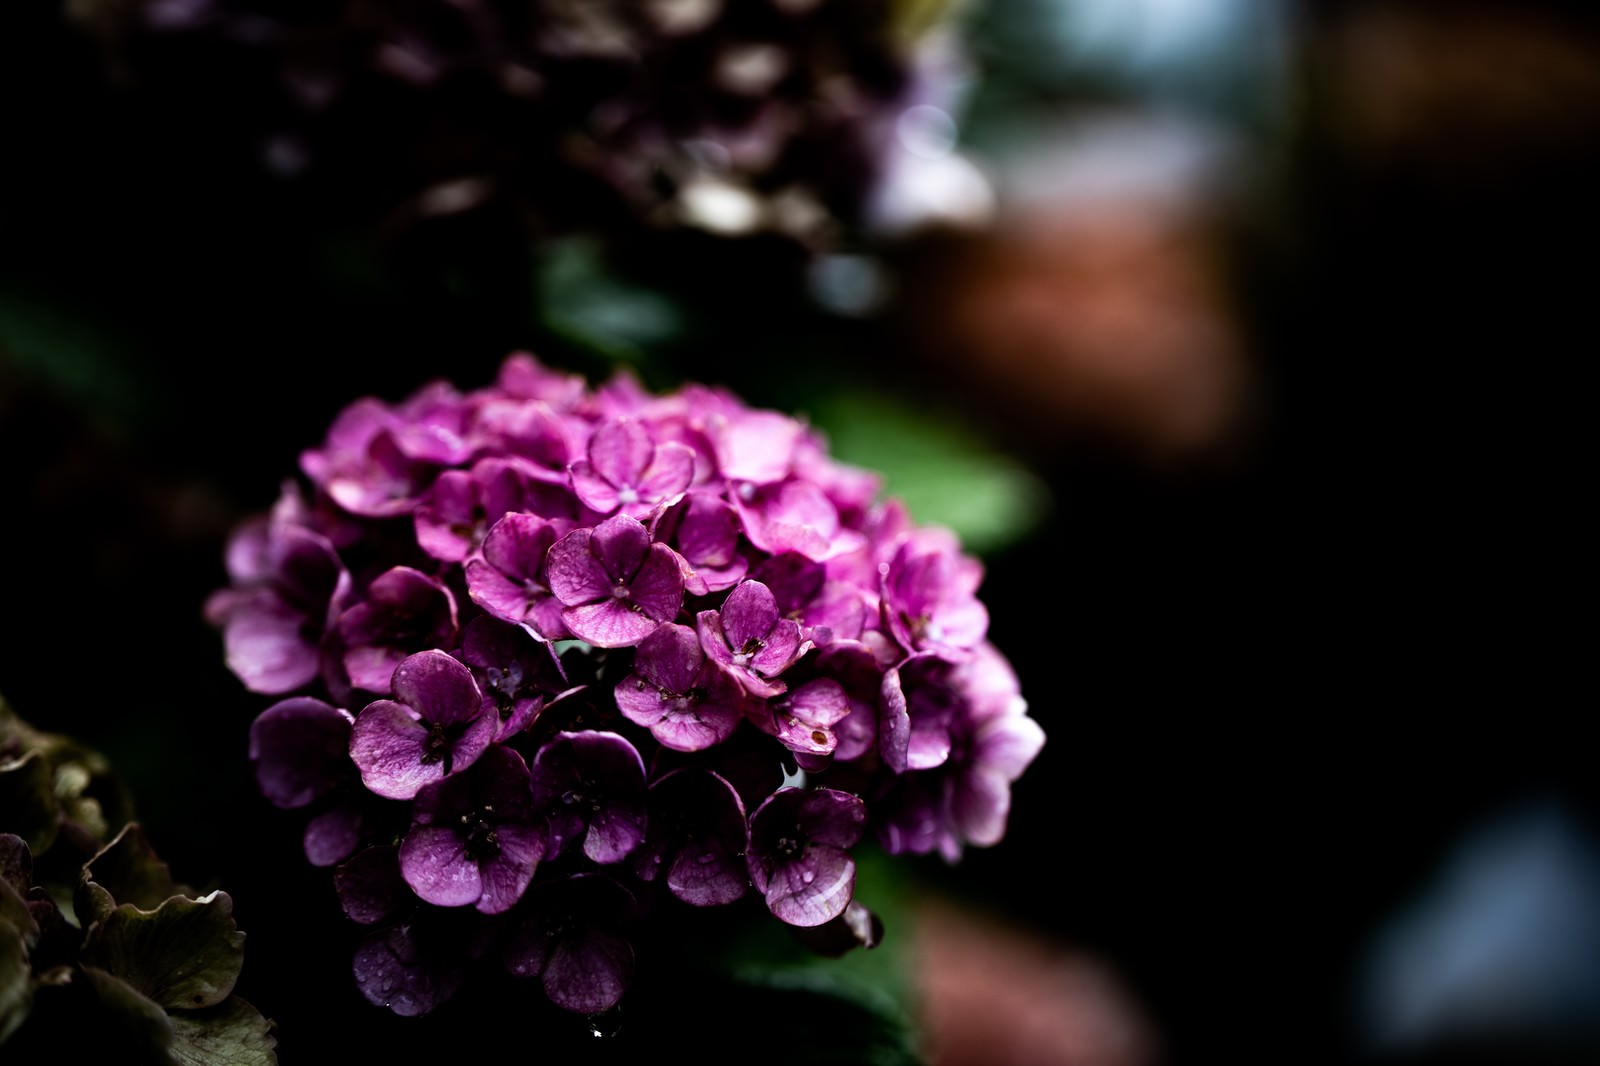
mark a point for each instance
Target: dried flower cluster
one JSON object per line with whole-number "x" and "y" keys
{"x": 104, "y": 957}
{"x": 549, "y": 658}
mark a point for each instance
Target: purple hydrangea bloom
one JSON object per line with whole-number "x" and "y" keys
{"x": 799, "y": 857}
{"x": 686, "y": 701}
{"x": 794, "y": 516}
{"x": 616, "y": 584}
{"x": 457, "y": 511}
{"x": 403, "y": 611}
{"x": 803, "y": 719}
{"x": 615, "y": 652}
{"x": 826, "y": 608}
{"x": 704, "y": 530}
{"x": 930, "y": 595}
{"x": 696, "y": 838}
{"x": 370, "y": 886}
{"x": 748, "y": 639}
{"x": 437, "y": 724}
{"x": 965, "y": 798}
{"x": 475, "y": 838}
{"x": 591, "y": 785}
{"x": 626, "y": 472}
{"x": 363, "y": 467}
{"x": 300, "y": 748}
{"x": 521, "y": 675}
{"x": 288, "y": 579}
{"x": 412, "y": 967}
{"x": 572, "y": 940}
{"x": 509, "y": 578}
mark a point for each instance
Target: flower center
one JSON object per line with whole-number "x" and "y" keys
{"x": 481, "y": 842}
{"x": 438, "y": 746}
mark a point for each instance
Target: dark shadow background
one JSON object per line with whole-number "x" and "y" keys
{"x": 1283, "y": 667}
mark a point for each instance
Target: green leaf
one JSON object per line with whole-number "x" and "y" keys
{"x": 186, "y": 953}
{"x": 130, "y": 870}
{"x": 811, "y": 1018}
{"x": 944, "y": 473}
{"x": 581, "y": 300}
{"x": 233, "y": 1033}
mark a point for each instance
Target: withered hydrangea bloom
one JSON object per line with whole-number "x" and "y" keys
{"x": 104, "y": 957}
{"x": 756, "y": 117}
{"x": 680, "y": 657}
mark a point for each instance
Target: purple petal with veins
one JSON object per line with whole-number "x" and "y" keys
{"x": 438, "y": 724}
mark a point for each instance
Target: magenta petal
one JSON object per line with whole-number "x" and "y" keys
{"x": 589, "y": 971}
{"x": 435, "y": 864}
{"x": 668, "y": 476}
{"x": 620, "y": 543}
{"x": 756, "y": 446}
{"x": 670, "y": 657}
{"x": 894, "y": 723}
{"x": 509, "y": 599}
{"x": 707, "y": 878}
{"x": 575, "y": 574}
{"x": 508, "y": 875}
{"x": 596, "y": 492}
{"x": 1009, "y": 744}
{"x": 613, "y": 833}
{"x": 709, "y": 724}
{"x": 370, "y": 887}
{"x": 300, "y": 748}
{"x": 439, "y": 684}
{"x": 332, "y": 836}
{"x": 388, "y": 743}
{"x": 748, "y": 614}
{"x": 517, "y": 543}
{"x": 608, "y": 624}
{"x": 657, "y": 586}
{"x": 980, "y": 803}
{"x": 620, "y": 450}
{"x": 814, "y": 891}
{"x": 393, "y": 970}
{"x": 779, "y": 648}
{"x": 444, "y": 519}
{"x": 265, "y": 645}
{"x": 371, "y": 666}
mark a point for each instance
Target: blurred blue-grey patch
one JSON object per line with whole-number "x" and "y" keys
{"x": 1502, "y": 947}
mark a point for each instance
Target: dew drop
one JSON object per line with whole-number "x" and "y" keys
{"x": 606, "y": 1024}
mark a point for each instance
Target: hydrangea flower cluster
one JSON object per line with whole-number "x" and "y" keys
{"x": 547, "y": 658}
